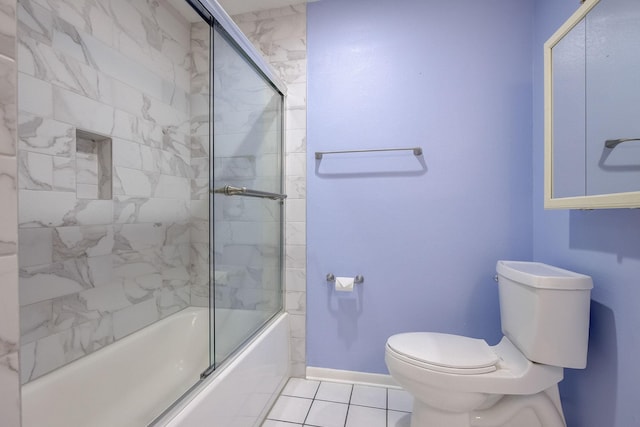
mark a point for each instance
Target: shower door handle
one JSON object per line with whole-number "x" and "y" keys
{"x": 228, "y": 190}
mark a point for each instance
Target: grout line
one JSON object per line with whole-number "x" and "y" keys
{"x": 313, "y": 399}
{"x": 386, "y": 409}
{"x": 351, "y": 394}
{"x": 348, "y": 406}
{"x": 308, "y": 411}
{"x": 346, "y": 417}
{"x": 358, "y": 404}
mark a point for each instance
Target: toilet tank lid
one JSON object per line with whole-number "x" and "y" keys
{"x": 539, "y": 275}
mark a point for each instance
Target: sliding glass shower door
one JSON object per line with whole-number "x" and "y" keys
{"x": 247, "y": 198}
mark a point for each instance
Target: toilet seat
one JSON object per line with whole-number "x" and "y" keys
{"x": 446, "y": 353}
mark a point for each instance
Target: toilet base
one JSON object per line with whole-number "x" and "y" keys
{"x": 425, "y": 416}
{"x": 522, "y": 411}
{"x": 540, "y": 409}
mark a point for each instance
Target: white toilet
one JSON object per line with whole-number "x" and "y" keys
{"x": 460, "y": 382}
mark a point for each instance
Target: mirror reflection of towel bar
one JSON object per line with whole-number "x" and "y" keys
{"x": 613, "y": 143}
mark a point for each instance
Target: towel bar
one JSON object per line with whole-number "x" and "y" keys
{"x": 417, "y": 151}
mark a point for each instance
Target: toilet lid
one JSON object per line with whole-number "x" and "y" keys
{"x": 445, "y": 352}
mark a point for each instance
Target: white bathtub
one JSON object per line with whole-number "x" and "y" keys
{"x": 241, "y": 393}
{"x": 130, "y": 382}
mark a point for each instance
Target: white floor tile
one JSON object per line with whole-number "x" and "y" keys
{"x": 334, "y": 392}
{"x": 299, "y": 387}
{"x": 400, "y": 400}
{"x": 361, "y": 416}
{"x": 398, "y": 419}
{"x": 307, "y": 403}
{"x": 272, "y": 423}
{"x": 292, "y": 409}
{"x": 375, "y": 397}
{"x": 327, "y": 414}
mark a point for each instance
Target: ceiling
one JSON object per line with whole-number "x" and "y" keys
{"x": 234, "y": 7}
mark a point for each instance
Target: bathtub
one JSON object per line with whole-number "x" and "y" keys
{"x": 241, "y": 392}
{"x": 130, "y": 382}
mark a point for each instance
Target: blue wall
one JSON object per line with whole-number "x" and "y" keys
{"x": 606, "y": 245}
{"x": 455, "y": 78}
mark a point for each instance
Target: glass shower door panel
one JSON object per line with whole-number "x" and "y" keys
{"x": 247, "y": 147}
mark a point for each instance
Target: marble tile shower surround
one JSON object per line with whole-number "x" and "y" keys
{"x": 93, "y": 271}
{"x": 280, "y": 34}
{"x": 9, "y": 308}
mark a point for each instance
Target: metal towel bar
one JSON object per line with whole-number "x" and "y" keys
{"x": 417, "y": 151}
{"x": 228, "y": 190}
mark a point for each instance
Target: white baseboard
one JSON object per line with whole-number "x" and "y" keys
{"x": 352, "y": 377}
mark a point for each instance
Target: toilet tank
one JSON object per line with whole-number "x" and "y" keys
{"x": 544, "y": 311}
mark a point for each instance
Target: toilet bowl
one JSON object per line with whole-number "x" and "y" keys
{"x": 443, "y": 393}
{"x": 459, "y": 381}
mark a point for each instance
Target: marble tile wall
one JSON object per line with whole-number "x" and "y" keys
{"x": 281, "y": 36}
{"x": 95, "y": 269}
{"x": 43, "y": 134}
{"x": 9, "y": 308}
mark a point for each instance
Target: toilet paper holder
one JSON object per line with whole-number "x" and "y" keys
{"x": 358, "y": 279}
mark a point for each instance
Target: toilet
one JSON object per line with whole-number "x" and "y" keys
{"x": 459, "y": 381}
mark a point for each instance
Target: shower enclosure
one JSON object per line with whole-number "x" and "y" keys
{"x": 247, "y": 205}
{"x": 150, "y": 181}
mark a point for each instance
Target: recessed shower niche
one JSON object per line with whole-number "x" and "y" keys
{"x": 93, "y": 166}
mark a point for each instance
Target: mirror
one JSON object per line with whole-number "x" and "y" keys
{"x": 592, "y": 108}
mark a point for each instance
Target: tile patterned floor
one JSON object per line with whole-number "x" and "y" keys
{"x": 327, "y": 404}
